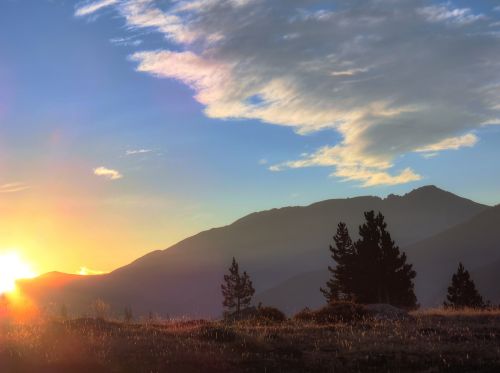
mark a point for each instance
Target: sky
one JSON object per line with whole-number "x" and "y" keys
{"x": 128, "y": 125}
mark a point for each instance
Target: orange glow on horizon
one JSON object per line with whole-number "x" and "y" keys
{"x": 12, "y": 268}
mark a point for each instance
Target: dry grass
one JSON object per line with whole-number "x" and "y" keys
{"x": 431, "y": 341}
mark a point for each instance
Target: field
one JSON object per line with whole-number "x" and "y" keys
{"x": 431, "y": 341}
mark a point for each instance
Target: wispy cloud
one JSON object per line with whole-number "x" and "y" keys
{"x": 126, "y": 42}
{"x": 107, "y": 173}
{"x": 452, "y": 143}
{"x": 92, "y": 7}
{"x": 387, "y": 75}
{"x": 13, "y": 187}
{"x": 84, "y": 271}
{"x": 138, "y": 151}
{"x": 440, "y": 13}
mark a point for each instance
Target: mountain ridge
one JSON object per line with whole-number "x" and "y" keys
{"x": 272, "y": 245}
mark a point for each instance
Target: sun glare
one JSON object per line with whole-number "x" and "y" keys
{"x": 12, "y": 268}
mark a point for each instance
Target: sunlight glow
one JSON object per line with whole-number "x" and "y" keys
{"x": 12, "y": 268}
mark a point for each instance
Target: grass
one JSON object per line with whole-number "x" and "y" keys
{"x": 431, "y": 341}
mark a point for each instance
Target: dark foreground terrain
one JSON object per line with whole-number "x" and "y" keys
{"x": 427, "y": 342}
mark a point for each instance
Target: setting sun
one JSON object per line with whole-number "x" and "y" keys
{"x": 12, "y": 268}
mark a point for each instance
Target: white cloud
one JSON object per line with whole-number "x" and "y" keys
{"x": 93, "y": 7}
{"x": 440, "y": 13}
{"x": 126, "y": 42}
{"x": 84, "y": 271}
{"x": 452, "y": 143}
{"x": 389, "y": 76}
{"x": 107, "y": 173}
{"x": 13, "y": 187}
{"x": 138, "y": 151}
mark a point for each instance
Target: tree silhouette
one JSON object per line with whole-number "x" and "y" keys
{"x": 339, "y": 286}
{"x": 128, "y": 316}
{"x": 462, "y": 292}
{"x": 63, "y": 312}
{"x": 373, "y": 270}
{"x": 237, "y": 289}
{"x": 381, "y": 272}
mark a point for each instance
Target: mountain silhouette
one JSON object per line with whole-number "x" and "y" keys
{"x": 275, "y": 246}
{"x": 475, "y": 243}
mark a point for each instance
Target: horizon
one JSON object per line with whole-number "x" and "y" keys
{"x": 129, "y": 125}
{"x": 249, "y": 185}
{"x": 86, "y": 272}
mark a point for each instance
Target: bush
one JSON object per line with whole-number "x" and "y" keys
{"x": 270, "y": 314}
{"x": 333, "y": 312}
{"x": 305, "y": 315}
{"x": 218, "y": 333}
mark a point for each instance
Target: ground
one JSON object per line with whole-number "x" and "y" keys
{"x": 426, "y": 342}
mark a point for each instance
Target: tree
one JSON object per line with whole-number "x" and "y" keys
{"x": 373, "y": 270}
{"x": 462, "y": 292}
{"x": 128, "y": 315}
{"x": 339, "y": 286}
{"x": 381, "y": 274}
{"x": 237, "y": 289}
{"x": 100, "y": 309}
{"x": 63, "y": 312}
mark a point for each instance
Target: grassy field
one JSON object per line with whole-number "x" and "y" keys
{"x": 430, "y": 341}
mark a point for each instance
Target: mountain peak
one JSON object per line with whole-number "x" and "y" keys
{"x": 429, "y": 191}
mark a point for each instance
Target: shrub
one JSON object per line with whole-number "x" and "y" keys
{"x": 305, "y": 315}
{"x": 270, "y": 314}
{"x": 217, "y": 333}
{"x": 340, "y": 311}
{"x": 333, "y": 312}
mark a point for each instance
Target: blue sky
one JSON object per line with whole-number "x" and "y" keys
{"x": 198, "y": 116}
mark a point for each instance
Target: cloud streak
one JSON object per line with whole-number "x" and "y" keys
{"x": 107, "y": 173}
{"x": 391, "y": 77}
{"x": 93, "y": 7}
{"x": 13, "y": 187}
{"x": 138, "y": 151}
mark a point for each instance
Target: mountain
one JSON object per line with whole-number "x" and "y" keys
{"x": 475, "y": 243}
{"x": 273, "y": 246}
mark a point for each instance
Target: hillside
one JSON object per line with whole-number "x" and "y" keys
{"x": 273, "y": 246}
{"x": 476, "y": 243}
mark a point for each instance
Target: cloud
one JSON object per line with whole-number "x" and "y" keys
{"x": 93, "y": 7}
{"x": 452, "y": 143}
{"x": 126, "y": 42}
{"x": 107, "y": 173}
{"x": 439, "y": 13}
{"x": 13, "y": 187}
{"x": 138, "y": 151}
{"x": 84, "y": 271}
{"x": 391, "y": 77}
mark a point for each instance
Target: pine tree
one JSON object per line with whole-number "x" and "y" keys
{"x": 339, "y": 286}
{"x": 128, "y": 316}
{"x": 63, "y": 312}
{"x": 381, "y": 274}
{"x": 462, "y": 292}
{"x": 237, "y": 289}
{"x": 373, "y": 270}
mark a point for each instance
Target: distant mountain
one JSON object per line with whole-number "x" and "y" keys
{"x": 476, "y": 243}
{"x": 274, "y": 246}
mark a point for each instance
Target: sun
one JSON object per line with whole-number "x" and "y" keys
{"x": 12, "y": 268}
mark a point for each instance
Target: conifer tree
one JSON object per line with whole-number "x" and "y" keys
{"x": 462, "y": 292}
{"x": 128, "y": 316}
{"x": 381, "y": 273}
{"x": 339, "y": 286}
{"x": 237, "y": 289}
{"x": 373, "y": 270}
